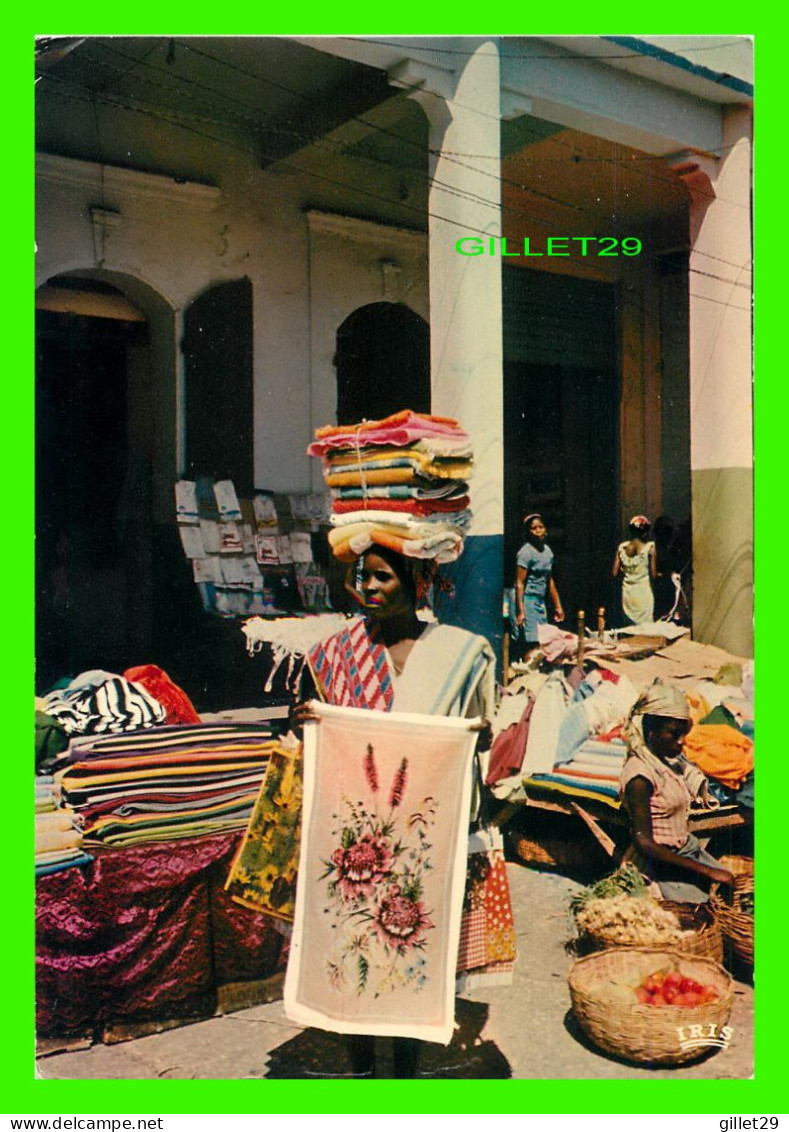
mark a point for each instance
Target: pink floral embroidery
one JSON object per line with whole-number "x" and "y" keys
{"x": 398, "y": 786}
{"x": 362, "y": 865}
{"x": 400, "y": 921}
{"x": 370, "y": 769}
{"x": 374, "y": 887}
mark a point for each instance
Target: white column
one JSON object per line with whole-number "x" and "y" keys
{"x": 463, "y": 110}
{"x": 721, "y": 389}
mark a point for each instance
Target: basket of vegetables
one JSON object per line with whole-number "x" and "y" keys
{"x": 618, "y": 912}
{"x": 736, "y": 919}
{"x": 652, "y": 1006}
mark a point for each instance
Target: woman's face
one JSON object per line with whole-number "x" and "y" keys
{"x": 383, "y": 592}
{"x": 537, "y": 529}
{"x": 667, "y": 737}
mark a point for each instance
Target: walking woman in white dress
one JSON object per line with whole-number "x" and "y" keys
{"x": 635, "y": 560}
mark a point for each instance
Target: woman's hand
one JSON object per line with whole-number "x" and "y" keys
{"x": 520, "y": 618}
{"x": 722, "y": 877}
{"x": 485, "y": 731}
{"x": 300, "y": 714}
{"x": 725, "y": 880}
{"x": 558, "y": 615}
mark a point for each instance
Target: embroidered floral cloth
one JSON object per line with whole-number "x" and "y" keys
{"x": 382, "y": 873}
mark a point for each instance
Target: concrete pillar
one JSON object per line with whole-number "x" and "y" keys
{"x": 721, "y": 389}
{"x": 463, "y": 109}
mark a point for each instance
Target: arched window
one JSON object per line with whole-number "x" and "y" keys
{"x": 382, "y": 362}
{"x": 219, "y": 380}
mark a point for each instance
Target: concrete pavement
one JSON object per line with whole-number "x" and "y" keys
{"x": 525, "y": 1031}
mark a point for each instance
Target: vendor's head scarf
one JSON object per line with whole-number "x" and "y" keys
{"x": 664, "y": 699}
{"x": 668, "y": 702}
{"x": 639, "y": 525}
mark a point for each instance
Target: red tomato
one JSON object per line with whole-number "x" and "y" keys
{"x": 642, "y": 994}
{"x": 686, "y": 985}
{"x": 680, "y": 1000}
{"x": 658, "y": 1000}
{"x": 670, "y": 992}
{"x": 672, "y": 979}
{"x": 693, "y": 998}
{"x": 653, "y": 983}
{"x": 709, "y": 994}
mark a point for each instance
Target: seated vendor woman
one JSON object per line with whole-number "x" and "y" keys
{"x": 658, "y": 786}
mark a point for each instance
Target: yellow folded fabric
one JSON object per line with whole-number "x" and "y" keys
{"x": 57, "y": 839}
{"x": 56, "y": 819}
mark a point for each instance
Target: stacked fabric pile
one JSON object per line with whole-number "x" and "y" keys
{"x": 168, "y": 783}
{"x": 593, "y": 772}
{"x": 58, "y": 841}
{"x": 58, "y": 837}
{"x": 400, "y": 482}
{"x": 98, "y": 701}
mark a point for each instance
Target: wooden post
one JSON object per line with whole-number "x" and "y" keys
{"x": 581, "y": 631}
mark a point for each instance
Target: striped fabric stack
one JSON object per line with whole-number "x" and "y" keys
{"x": 167, "y": 783}
{"x": 593, "y": 772}
{"x": 400, "y": 482}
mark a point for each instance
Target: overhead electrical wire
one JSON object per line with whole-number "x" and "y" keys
{"x": 252, "y": 118}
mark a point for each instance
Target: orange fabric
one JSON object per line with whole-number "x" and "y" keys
{"x": 722, "y": 752}
{"x": 177, "y": 705}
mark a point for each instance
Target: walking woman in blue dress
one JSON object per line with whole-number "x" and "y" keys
{"x": 533, "y": 581}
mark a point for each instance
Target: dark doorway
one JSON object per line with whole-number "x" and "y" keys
{"x": 382, "y": 362}
{"x": 561, "y": 398}
{"x": 218, "y": 356}
{"x": 89, "y": 498}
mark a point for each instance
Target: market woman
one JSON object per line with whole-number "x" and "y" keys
{"x": 533, "y": 582}
{"x": 419, "y": 666}
{"x": 635, "y": 562}
{"x": 658, "y": 786}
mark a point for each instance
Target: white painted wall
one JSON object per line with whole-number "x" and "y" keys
{"x": 308, "y": 273}
{"x": 353, "y": 263}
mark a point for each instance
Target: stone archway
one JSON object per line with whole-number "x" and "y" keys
{"x": 382, "y": 363}
{"x": 106, "y": 460}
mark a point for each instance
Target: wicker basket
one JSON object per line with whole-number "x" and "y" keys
{"x": 737, "y": 927}
{"x": 706, "y": 940}
{"x": 653, "y": 1035}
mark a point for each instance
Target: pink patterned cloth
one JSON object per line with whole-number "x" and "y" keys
{"x": 399, "y": 429}
{"x": 351, "y": 668}
{"x": 145, "y": 933}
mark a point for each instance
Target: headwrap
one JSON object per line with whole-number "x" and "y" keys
{"x": 663, "y": 699}
{"x": 640, "y": 521}
{"x": 667, "y": 701}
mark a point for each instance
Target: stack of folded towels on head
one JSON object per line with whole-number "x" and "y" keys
{"x": 401, "y": 482}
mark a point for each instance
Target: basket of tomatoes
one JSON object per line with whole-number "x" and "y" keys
{"x": 652, "y": 1006}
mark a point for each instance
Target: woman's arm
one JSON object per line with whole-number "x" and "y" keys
{"x": 521, "y": 574}
{"x": 557, "y": 604}
{"x": 637, "y": 794}
{"x": 616, "y": 565}
{"x": 652, "y": 561}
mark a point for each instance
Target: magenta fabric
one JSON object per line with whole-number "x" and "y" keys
{"x": 145, "y": 933}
